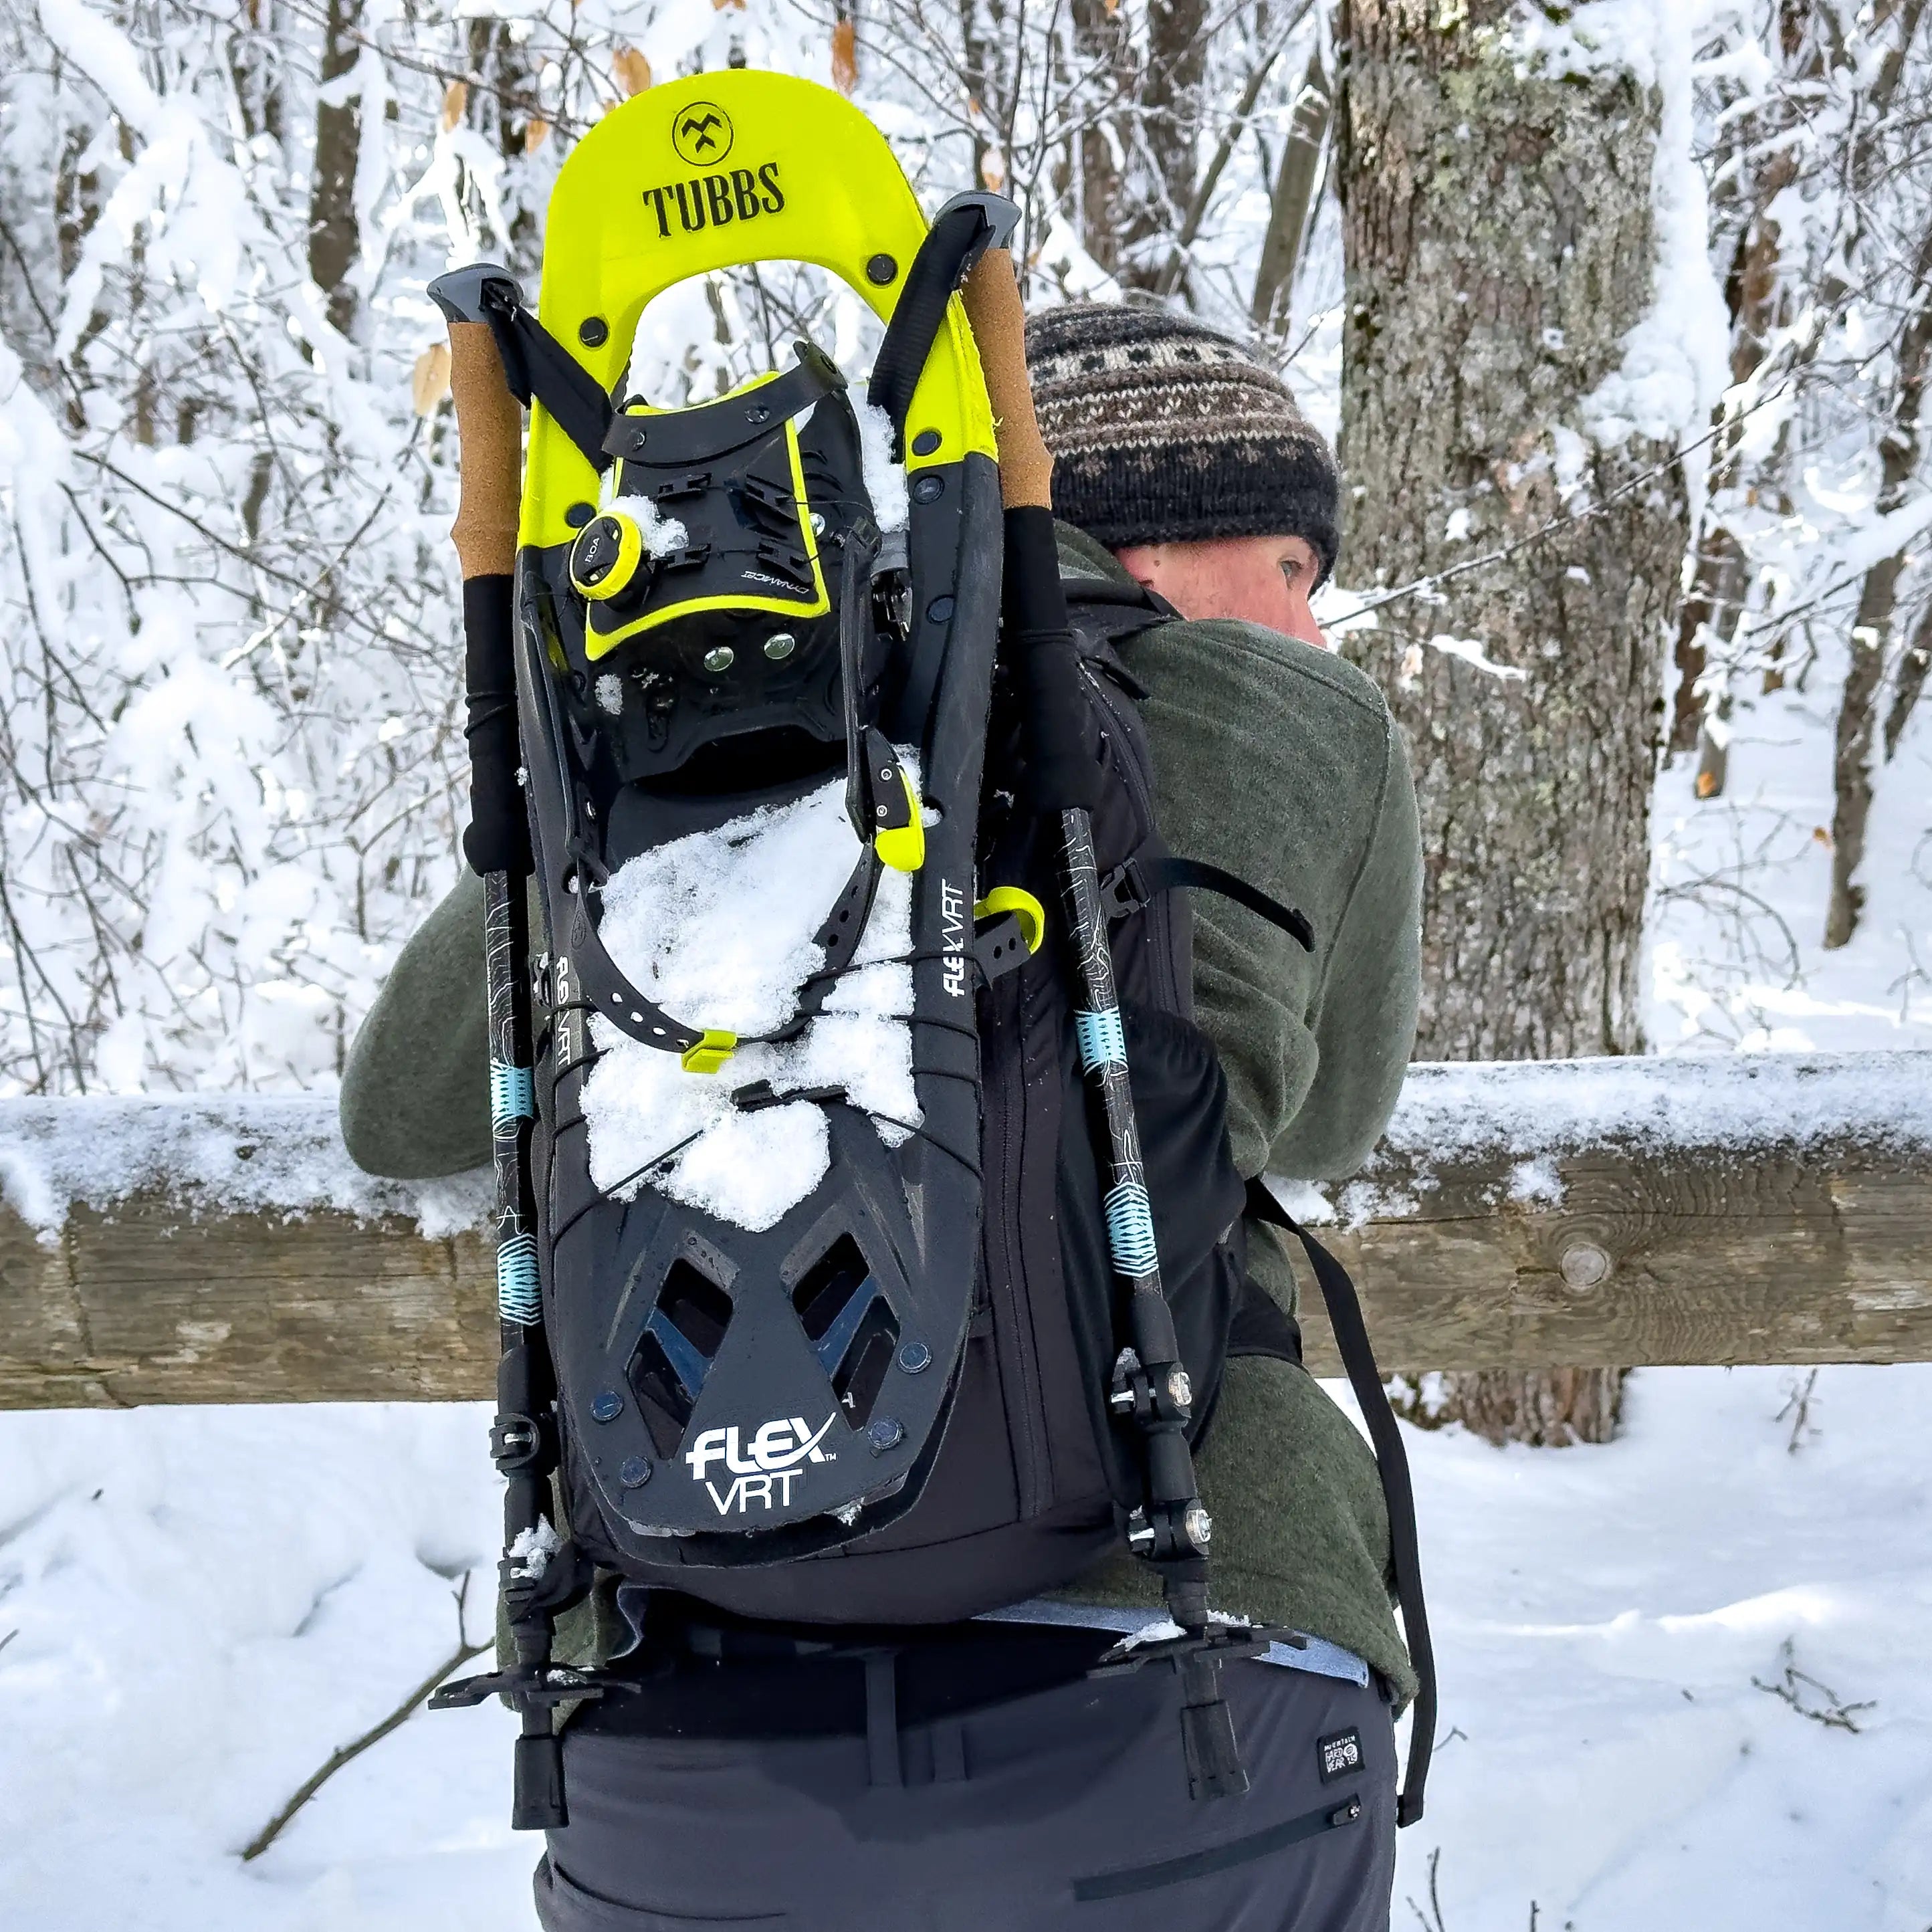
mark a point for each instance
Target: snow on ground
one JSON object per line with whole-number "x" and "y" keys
{"x": 1600, "y": 1616}
{"x": 1739, "y": 885}
{"x": 204, "y": 1603}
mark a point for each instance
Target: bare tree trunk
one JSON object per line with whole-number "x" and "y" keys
{"x": 1100, "y": 43}
{"x": 1294, "y": 195}
{"x": 1166, "y": 126}
{"x": 1499, "y": 244}
{"x": 1716, "y": 599}
{"x": 333, "y": 241}
{"x": 1871, "y": 630}
{"x": 1910, "y": 682}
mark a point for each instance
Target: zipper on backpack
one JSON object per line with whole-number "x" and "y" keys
{"x": 1159, "y": 914}
{"x": 1015, "y": 1355}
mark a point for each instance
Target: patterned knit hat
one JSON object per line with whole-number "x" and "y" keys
{"x": 1164, "y": 431}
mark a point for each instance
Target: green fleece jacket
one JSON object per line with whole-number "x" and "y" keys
{"x": 1280, "y": 763}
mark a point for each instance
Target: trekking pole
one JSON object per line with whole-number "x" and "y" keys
{"x": 1150, "y": 1389}
{"x": 523, "y": 1438}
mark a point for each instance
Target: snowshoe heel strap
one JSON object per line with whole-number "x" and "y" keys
{"x": 962, "y": 231}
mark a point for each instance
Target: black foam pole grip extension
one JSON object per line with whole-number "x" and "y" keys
{"x": 1063, "y": 751}
{"x": 498, "y": 839}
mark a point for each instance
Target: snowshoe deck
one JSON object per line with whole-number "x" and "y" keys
{"x": 736, "y": 1394}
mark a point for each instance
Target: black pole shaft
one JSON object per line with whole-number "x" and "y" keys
{"x": 1154, "y": 1395}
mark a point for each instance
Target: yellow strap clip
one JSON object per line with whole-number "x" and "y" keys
{"x": 1024, "y": 907}
{"x": 710, "y": 1053}
{"x": 903, "y": 847}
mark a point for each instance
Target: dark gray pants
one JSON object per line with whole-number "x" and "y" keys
{"x": 1062, "y": 1809}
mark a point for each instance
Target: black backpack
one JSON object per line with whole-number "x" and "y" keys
{"x": 1033, "y": 1482}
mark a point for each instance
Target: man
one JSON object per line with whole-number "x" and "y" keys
{"x": 1182, "y": 465}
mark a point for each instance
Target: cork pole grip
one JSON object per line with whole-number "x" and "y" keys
{"x": 489, "y": 424}
{"x": 992, "y": 298}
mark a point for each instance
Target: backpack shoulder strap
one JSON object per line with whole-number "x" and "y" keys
{"x": 1109, "y": 611}
{"x": 1351, "y": 1337}
{"x": 1114, "y": 610}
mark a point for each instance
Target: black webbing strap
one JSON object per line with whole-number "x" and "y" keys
{"x": 685, "y": 438}
{"x": 606, "y": 990}
{"x": 1351, "y": 1338}
{"x": 1154, "y": 869}
{"x": 536, "y": 365}
{"x": 963, "y": 229}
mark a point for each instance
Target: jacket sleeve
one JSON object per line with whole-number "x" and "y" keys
{"x": 1280, "y": 762}
{"x": 1364, "y": 1013}
{"x": 416, "y": 1093}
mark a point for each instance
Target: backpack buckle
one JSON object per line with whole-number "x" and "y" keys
{"x": 516, "y": 1442}
{"x": 1124, "y": 890}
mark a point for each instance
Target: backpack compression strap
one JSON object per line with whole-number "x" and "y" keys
{"x": 1351, "y": 1338}
{"x": 1153, "y": 869}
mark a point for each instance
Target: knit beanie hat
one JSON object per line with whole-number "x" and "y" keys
{"x": 1165, "y": 431}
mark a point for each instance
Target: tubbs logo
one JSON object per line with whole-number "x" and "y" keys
{"x": 725, "y": 195}
{"x": 702, "y": 134}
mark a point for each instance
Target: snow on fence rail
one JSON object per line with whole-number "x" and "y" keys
{"x": 223, "y": 1248}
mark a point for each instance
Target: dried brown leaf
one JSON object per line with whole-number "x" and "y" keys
{"x": 632, "y": 70}
{"x": 455, "y": 100}
{"x": 429, "y": 381}
{"x": 844, "y": 56}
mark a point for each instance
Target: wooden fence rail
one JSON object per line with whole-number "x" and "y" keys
{"x": 222, "y": 1248}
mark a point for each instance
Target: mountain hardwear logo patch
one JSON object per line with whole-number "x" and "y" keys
{"x": 702, "y": 134}
{"x": 1341, "y": 1753}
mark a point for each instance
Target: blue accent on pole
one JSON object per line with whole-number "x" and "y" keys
{"x": 1130, "y": 1230}
{"x": 513, "y": 1093}
{"x": 519, "y": 1296}
{"x": 1102, "y": 1042}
